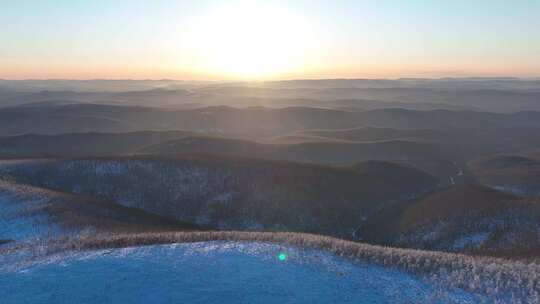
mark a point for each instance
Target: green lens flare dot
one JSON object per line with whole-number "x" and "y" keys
{"x": 282, "y": 256}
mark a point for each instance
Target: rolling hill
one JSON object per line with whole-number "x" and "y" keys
{"x": 463, "y": 218}
{"x": 84, "y": 144}
{"x": 516, "y": 174}
{"x": 364, "y": 134}
{"x": 226, "y": 193}
{"x": 436, "y": 158}
{"x": 313, "y": 152}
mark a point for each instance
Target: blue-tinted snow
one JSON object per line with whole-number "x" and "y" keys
{"x": 212, "y": 272}
{"x": 20, "y": 218}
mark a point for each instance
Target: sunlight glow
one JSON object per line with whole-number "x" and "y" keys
{"x": 251, "y": 40}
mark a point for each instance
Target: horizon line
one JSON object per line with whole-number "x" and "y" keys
{"x": 282, "y": 80}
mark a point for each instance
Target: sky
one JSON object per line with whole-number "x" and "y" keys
{"x": 240, "y": 39}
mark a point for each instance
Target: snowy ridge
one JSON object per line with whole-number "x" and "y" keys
{"x": 498, "y": 280}
{"x": 216, "y": 272}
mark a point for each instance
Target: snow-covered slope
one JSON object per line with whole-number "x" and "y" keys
{"x": 22, "y": 215}
{"x": 28, "y": 213}
{"x": 214, "y": 272}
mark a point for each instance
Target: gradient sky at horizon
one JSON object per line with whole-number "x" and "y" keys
{"x": 218, "y": 39}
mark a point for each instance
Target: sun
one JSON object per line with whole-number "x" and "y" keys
{"x": 250, "y": 40}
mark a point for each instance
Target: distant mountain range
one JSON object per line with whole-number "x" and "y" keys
{"x": 245, "y": 121}
{"x": 481, "y": 94}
